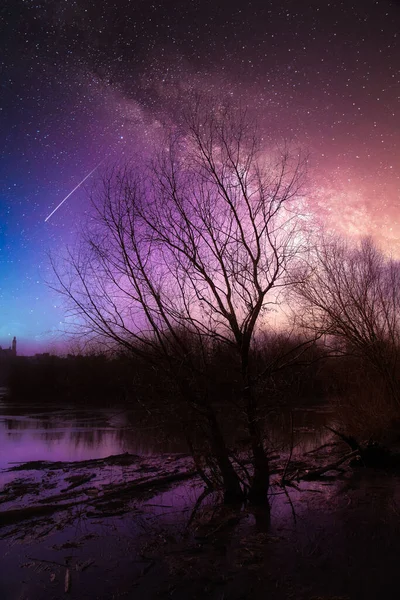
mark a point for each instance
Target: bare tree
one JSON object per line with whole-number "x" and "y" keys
{"x": 191, "y": 251}
{"x": 353, "y": 294}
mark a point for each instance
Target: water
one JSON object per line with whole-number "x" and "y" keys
{"x": 336, "y": 544}
{"x": 59, "y": 433}
{"x": 30, "y": 431}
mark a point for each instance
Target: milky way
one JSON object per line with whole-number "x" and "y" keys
{"x": 86, "y": 80}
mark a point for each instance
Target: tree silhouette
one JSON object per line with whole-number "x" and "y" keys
{"x": 188, "y": 253}
{"x": 353, "y": 294}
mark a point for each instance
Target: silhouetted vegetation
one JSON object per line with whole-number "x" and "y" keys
{"x": 138, "y": 380}
{"x": 188, "y": 252}
{"x": 95, "y": 378}
{"x": 175, "y": 277}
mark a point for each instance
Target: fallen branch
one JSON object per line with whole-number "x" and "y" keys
{"x": 348, "y": 439}
{"x": 327, "y": 445}
{"x": 309, "y": 475}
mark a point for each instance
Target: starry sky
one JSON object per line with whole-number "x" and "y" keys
{"x": 84, "y": 82}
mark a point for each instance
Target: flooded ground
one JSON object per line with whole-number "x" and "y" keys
{"x": 137, "y": 525}
{"x": 32, "y": 431}
{"x": 38, "y": 432}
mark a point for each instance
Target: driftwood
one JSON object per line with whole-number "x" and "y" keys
{"x": 67, "y": 582}
{"x": 323, "y": 447}
{"x": 371, "y": 454}
{"x": 316, "y": 473}
{"x": 348, "y": 439}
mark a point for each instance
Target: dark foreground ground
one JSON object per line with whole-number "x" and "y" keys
{"x": 135, "y": 528}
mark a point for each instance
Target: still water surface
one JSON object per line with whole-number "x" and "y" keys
{"x": 30, "y": 431}
{"x": 338, "y": 537}
{"x": 33, "y": 432}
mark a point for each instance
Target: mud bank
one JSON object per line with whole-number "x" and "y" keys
{"x": 99, "y": 486}
{"x": 141, "y": 527}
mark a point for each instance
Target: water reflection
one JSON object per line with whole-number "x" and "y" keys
{"x": 34, "y": 432}
{"x": 68, "y": 434}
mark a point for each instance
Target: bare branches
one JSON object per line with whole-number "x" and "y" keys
{"x": 187, "y": 252}
{"x": 197, "y": 240}
{"x": 353, "y": 293}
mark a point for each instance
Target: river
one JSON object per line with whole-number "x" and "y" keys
{"x": 59, "y": 432}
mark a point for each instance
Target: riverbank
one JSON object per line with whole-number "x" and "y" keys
{"x": 122, "y": 529}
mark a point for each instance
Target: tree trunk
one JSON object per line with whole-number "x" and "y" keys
{"x": 233, "y": 492}
{"x": 259, "y": 486}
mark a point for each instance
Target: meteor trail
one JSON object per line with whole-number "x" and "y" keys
{"x": 74, "y": 190}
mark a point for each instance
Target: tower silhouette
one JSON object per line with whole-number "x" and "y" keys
{"x": 14, "y": 347}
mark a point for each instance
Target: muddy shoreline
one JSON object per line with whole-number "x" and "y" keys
{"x": 130, "y": 526}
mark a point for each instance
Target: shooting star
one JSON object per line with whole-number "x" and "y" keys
{"x": 74, "y": 190}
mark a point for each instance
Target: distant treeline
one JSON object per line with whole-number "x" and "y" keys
{"x": 49, "y": 377}
{"x": 296, "y": 378}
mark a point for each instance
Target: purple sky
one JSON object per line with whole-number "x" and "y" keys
{"x": 83, "y": 82}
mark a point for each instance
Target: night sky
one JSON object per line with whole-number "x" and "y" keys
{"x": 84, "y": 82}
